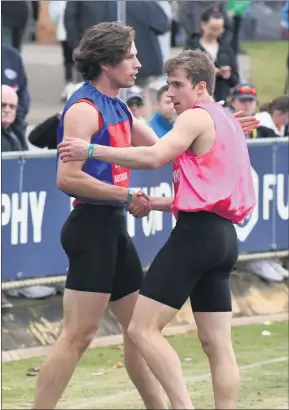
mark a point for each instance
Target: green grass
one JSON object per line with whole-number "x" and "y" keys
{"x": 268, "y": 61}
{"x": 263, "y": 387}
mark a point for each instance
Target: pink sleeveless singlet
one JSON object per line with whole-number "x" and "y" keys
{"x": 220, "y": 181}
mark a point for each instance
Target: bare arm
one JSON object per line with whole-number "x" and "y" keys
{"x": 142, "y": 134}
{"x": 187, "y": 128}
{"x": 156, "y": 153}
{"x": 161, "y": 203}
{"x": 81, "y": 121}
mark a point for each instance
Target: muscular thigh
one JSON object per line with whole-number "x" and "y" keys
{"x": 82, "y": 311}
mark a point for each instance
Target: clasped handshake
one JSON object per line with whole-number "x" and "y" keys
{"x": 140, "y": 205}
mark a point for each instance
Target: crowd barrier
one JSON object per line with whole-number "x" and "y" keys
{"x": 33, "y": 211}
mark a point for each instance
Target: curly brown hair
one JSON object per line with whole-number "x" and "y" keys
{"x": 198, "y": 65}
{"x": 105, "y": 43}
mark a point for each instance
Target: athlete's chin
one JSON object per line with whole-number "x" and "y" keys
{"x": 178, "y": 109}
{"x": 131, "y": 83}
{"x": 128, "y": 84}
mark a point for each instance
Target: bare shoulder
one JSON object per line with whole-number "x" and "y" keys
{"x": 81, "y": 119}
{"x": 194, "y": 118}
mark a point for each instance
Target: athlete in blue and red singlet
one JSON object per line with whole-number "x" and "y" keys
{"x": 114, "y": 123}
{"x": 104, "y": 268}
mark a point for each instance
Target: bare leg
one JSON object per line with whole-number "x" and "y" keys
{"x": 149, "y": 318}
{"x": 214, "y": 330}
{"x": 147, "y": 385}
{"x": 82, "y": 314}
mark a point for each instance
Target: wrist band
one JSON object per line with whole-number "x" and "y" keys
{"x": 90, "y": 151}
{"x": 129, "y": 197}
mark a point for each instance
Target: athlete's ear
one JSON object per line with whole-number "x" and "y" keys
{"x": 104, "y": 67}
{"x": 201, "y": 87}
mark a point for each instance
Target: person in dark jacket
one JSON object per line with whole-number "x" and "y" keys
{"x": 11, "y": 139}
{"x": 44, "y": 135}
{"x": 13, "y": 74}
{"x": 146, "y": 17}
{"x": 14, "y": 18}
{"x": 212, "y": 28}
{"x": 189, "y": 18}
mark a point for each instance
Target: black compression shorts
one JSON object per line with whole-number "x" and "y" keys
{"x": 102, "y": 257}
{"x": 195, "y": 262}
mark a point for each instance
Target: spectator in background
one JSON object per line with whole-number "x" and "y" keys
{"x": 162, "y": 121}
{"x": 44, "y": 135}
{"x": 165, "y": 39}
{"x": 244, "y": 98}
{"x": 212, "y": 28}
{"x": 135, "y": 102}
{"x": 175, "y": 29}
{"x": 189, "y": 16}
{"x": 13, "y": 74}
{"x": 56, "y": 12}
{"x": 11, "y": 139}
{"x": 14, "y": 18}
{"x": 146, "y": 17}
{"x": 35, "y": 15}
{"x": 236, "y": 10}
{"x": 274, "y": 116}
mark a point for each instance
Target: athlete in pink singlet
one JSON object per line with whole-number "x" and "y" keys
{"x": 220, "y": 180}
{"x": 213, "y": 190}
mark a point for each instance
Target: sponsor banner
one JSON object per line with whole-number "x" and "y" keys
{"x": 33, "y": 212}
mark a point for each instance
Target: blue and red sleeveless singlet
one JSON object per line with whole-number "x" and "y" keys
{"x": 115, "y": 123}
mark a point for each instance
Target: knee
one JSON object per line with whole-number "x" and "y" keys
{"x": 214, "y": 344}
{"x": 207, "y": 344}
{"x": 78, "y": 340}
{"x": 137, "y": 333}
